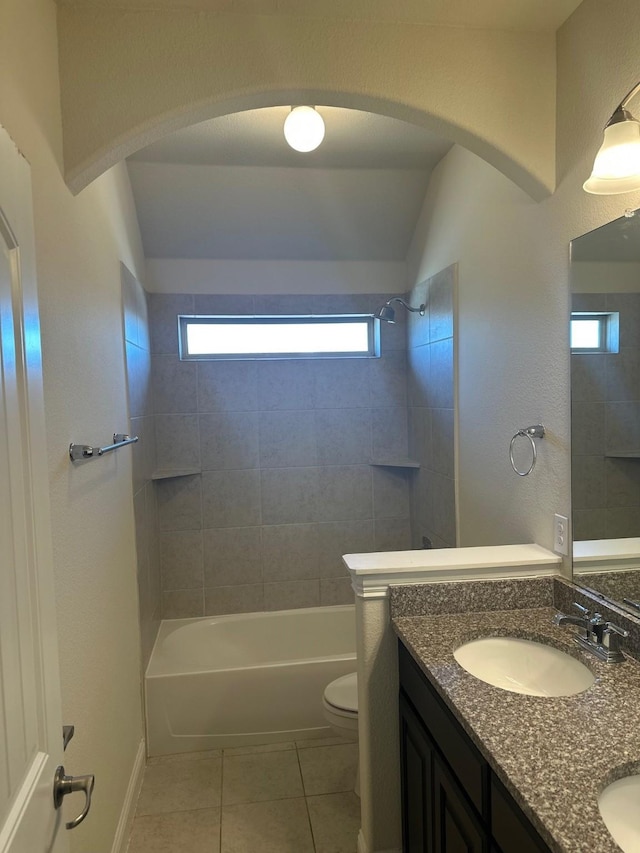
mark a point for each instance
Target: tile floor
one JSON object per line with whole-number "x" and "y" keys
{"x": 280, "y": 798}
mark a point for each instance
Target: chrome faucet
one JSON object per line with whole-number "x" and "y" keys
{"x": 600, "y": 637}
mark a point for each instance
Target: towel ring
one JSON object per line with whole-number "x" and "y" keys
{"x": 531, "y": 433}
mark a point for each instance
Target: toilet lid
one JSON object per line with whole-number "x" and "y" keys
{"x": 343, "y": 692}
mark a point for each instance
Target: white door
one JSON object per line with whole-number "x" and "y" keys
{"x": 30, "y": 724}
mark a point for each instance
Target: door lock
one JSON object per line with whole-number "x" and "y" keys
{"x": 63, "y": 785}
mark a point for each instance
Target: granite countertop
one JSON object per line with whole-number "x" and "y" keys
{"x": 554, "y": 755}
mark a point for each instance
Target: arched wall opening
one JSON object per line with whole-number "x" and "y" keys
{"x": 127, "y": 79}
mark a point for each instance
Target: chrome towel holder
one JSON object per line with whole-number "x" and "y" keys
{"x": 531, "y": 432}
{"x": 86, "y": 451}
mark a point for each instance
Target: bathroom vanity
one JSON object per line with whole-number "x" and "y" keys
{"x": 485, "y": 770}
{"x": 451, "y": 799}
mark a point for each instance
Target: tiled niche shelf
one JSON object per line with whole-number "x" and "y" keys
{"x": 395, "y": 463}
{"x": 168, "y": 473}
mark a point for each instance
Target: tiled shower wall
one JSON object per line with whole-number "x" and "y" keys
{"x": 431, "y": 364}
{"x": 285, "y": 448}
{"x": 138, "y": 366}
{"x": 605, "y": 417}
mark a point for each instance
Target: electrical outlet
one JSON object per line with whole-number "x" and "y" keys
{"x": 561, "y": 534}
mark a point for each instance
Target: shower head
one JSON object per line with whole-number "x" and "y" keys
{"x": 388, "y": 314}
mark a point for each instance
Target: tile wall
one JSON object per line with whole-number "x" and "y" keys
{"x": 285, "y": 449}
{"x": 138, "y": 366}
{"x": 605, "y": 417}
{"x": 431, "y": 402}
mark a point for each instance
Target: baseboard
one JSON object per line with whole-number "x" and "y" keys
{"x": 121, "y": 838}
{"x": 363, "y": 847}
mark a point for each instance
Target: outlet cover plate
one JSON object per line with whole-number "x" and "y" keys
{"x": 561, "y": 534}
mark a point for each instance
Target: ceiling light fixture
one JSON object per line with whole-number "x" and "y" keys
{"x": 616, "y": 168}
{"x": 304, "y": 128}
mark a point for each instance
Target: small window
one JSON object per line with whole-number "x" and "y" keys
{"x": 317, "y": 336}
{"x": 593, "y": 332}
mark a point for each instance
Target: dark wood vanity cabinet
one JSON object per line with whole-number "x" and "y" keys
{"x": 451, "y": 800}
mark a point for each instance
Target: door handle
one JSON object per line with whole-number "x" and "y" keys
{"x": 63, "y": 785}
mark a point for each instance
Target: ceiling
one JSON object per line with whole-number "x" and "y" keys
{"x": 523, "y": 15}
{"x": 232, "y": 189}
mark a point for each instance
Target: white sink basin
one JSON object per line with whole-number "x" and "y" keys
{"x": 523, "y": 666}
{"x": 618, "y": 805}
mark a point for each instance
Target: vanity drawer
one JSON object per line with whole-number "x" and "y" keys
{"x": 453, "y": 743}
{"x": 509, "y": 827}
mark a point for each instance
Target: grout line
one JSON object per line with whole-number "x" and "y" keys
{"x": 221, "y": 796}
{"x": 304, "y": 790}
{"x": 306, "y": 802}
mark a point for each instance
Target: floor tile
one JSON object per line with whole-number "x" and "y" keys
{"x": 263, "y": 747}
{"x": 177, "y": 832}
{"x": 335, "y": 822}
{"x": 181, "y": 786}
{"x": 329, "y": 769}
{"x": 270, "y": 827}
{"x": 183, "y": 756}
{"x": 261, "y": 776}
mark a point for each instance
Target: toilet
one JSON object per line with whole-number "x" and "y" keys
{"x": 340, "y": 706}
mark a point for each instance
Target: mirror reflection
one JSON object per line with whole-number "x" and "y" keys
{"x": 605, "y": 417}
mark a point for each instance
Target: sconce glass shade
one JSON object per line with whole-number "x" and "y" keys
{"x": 617, "y": 165}
{"x": 304, "y": 129}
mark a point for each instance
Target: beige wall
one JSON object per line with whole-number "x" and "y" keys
{"x": 493, "y": 91}
{"x": 513, "y": 285}
{"x": 190, "y": 275}
{"x": 79, "y": 242}
{"x": 512, "y": 250}
{"x": 511, "y": 347}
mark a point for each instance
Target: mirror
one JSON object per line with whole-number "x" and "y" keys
{"x": 605, "y": 410}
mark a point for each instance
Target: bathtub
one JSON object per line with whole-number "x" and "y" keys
{"x": 239, "y": 680}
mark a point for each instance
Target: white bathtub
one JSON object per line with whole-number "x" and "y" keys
{"x": 240, "y": 680}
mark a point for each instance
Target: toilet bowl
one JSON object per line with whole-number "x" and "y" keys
{"x": 340, "y": 706}
{"x": 340, "y": 703}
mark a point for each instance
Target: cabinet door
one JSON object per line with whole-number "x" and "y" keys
{"x": 456, "y": 828}
{"x": 511, "y": 830}
{"x": 416, "y": 759}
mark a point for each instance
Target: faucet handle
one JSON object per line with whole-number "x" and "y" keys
{"x": 584, "y": 610}
{"x": 612, "y": 636}
{"x": 610, "y": 628}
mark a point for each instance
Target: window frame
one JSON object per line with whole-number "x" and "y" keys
{"x": 608, "y": 336}
{"x": 184, "y": 320}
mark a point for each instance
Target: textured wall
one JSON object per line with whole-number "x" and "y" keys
{"x": 183, "y": 66}
{"x": 431, "y": 363}
{"x": 512, "y": 364}
{"x": 285, "y": 449}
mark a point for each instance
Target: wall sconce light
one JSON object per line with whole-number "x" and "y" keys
{"x": 616, "y": 168}
{"x": 304, "y": 128}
